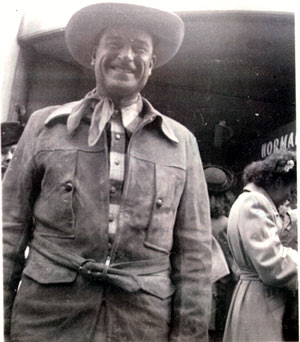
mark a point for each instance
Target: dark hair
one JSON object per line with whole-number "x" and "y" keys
{"x": 220, "y": 203}
{"x": 279, "y": 165}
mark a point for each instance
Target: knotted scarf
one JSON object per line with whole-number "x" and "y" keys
{"x": 102, "y": 113}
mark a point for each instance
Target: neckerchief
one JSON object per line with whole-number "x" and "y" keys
{"x": 101, "y": 115}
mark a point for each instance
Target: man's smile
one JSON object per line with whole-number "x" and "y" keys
{"x": 122, "y": 69}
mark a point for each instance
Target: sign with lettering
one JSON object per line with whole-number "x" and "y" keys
{"x": 281, "y": 139}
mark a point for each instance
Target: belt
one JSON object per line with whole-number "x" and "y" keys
{"x": 244, "y": 275}
{"x": 124, "y": 275}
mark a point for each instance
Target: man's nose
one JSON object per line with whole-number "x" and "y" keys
{"x": 126, "y": 53}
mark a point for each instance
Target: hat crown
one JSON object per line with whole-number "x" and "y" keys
{"x": 218, "y": 179}
{"x": 215, "y": 176}
{"x": 11, "y": 132}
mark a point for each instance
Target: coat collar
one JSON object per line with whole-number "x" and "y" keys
{"x": 62, "y": 111}
{"x": 254, "y": 188}
{"x": 164, "y": 124}
{"x": 66, "y": 109}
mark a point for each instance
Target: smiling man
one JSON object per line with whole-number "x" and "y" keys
{"x": 111, "y": 197}
{"x": 123, "y": 62}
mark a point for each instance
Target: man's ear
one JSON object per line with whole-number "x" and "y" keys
{"x": 93, "y": 55}
{"x": 153, "y": 61}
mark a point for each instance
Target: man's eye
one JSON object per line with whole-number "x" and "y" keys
{"x": 113, "y": 45}
{"x": 140, "y": 49}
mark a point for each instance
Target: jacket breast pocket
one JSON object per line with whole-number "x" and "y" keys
{"x": 54, "y": 206}
{"x": 169, "y": 184}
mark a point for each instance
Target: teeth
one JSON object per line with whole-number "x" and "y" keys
{"x": 123, "y": 70}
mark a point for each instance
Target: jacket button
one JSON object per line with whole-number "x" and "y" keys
{"x": 113, "y": 190}
{"x": 159, "y": 202}
{"x": 68, "y": 186}
{"x": 111, "y": 218}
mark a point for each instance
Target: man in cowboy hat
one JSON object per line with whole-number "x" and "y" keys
{"x": 11, "y": 132}
{"x": 120, "y": 246}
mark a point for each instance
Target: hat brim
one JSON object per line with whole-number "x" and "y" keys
{"x": 84, "y": 27}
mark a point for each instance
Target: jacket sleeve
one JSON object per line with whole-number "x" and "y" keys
{"x": 17, "y": 216}
{"x": 275, "y": 264}
{"x": 191, "y": 256}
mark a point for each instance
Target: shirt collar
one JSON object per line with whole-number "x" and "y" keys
{"x": 130, "y": 113}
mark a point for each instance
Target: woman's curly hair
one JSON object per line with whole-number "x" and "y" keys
{"x": 279, "y": 165}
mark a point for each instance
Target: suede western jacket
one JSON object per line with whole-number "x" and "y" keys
{"x": 153, "y": 281}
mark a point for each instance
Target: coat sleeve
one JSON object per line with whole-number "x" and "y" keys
{"x": 191, "y": 257}
{"x": 275, "y": 264}
{"x": 289, "y": 233}
{"x": 17, "y": 197}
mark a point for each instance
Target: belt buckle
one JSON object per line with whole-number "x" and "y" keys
{"x": 95, "y": 271}
{"x": 106, "y": 266}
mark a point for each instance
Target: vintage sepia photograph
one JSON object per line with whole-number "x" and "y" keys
{"x": 149, "y": 171}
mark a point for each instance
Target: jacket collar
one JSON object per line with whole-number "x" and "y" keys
{"x": 254, "y": 188}
{"x": 66, "y": 109}
{"x": 164, "y": 124}
{"x": 62, "y": 111}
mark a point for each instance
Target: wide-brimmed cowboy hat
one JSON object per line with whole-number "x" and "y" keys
{"x": 218, "y": 179}
{"x": 84, "y": 27}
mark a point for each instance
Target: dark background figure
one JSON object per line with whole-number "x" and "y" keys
{"x": 11, "y": 132}
{"x": 289, "y": 238}
{"x": 268, "y": 269}
{"x": 220, "y": 182}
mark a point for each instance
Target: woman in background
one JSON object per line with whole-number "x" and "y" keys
{"x": 268, "y": 269}
{"x": 219, "y": 183}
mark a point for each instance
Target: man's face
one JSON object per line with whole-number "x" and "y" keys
{"x": 123, "y": 62}
{"x": 283, "y": 192}
{"x": 6, "y": 156}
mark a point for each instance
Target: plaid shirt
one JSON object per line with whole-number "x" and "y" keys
{"x": 122, "y": 124}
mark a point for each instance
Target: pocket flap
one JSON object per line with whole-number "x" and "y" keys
{"x": 49, "y": 273}
{"x": 158, "y": 285}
